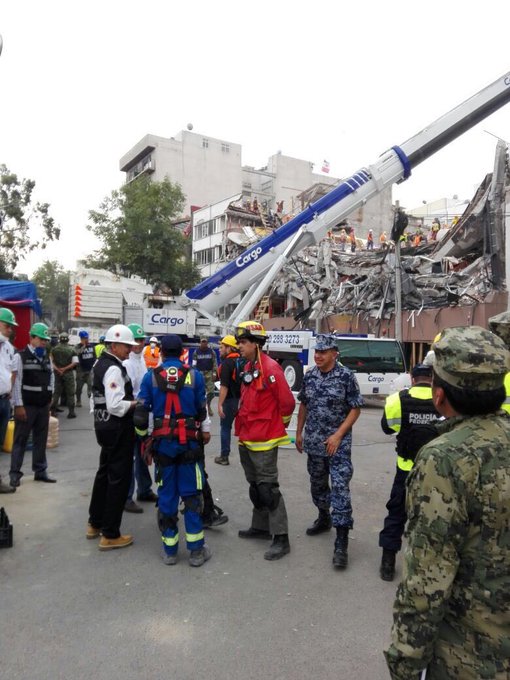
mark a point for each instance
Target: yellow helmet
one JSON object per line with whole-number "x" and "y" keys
{"x": 230, "y": 341}
{"x": 437, "y": 338}
{"x": 251, "y": 330}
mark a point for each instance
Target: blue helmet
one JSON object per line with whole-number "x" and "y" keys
{"x": 102, "y": 338}
{"x": 83, "y": 334}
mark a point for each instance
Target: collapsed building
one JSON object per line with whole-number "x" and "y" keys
{"x": 456, "y": 280}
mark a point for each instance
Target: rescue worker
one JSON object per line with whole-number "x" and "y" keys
{"x": 204, "y": 360}
{"x": 135, "y": 366}
{"x": 8, "y": 364}
{"x": 86, "y": 360}
{"x": 500, "y": 324}
{"x": 265, "y": 407}
{"x": 230, "y": 391}
{"x": 151, "y": 353}
{"x": 370, "y": 240}
{"x": 352, "y": 240}
{"x": 330, "y": 405}
{"x": 112, "y": 393}
{"x": 100, "y": 347}
{"x": 175, "y": 394}
{"x": 383, "y": 241}
{"x": 411, "y": 414}
{"x": 65, "y": 362}
{"x": 31, "y": 398}
{"x": 451, "y": 612}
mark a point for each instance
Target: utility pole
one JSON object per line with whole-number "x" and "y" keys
{"x": 400, "y": 223}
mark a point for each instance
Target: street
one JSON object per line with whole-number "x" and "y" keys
{"x": 70, "y": 611}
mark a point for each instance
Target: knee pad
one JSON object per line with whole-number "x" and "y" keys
{"x": 166, "y": 522}
{"x": 194, "y": 503}
{"x": 269, "y": 495}
{"x": 255, "y": 496}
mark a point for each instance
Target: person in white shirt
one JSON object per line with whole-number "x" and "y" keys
{"x": 7, "y": 365}
{"x": 114, "y": 403}
{"x": 136, "y": 368}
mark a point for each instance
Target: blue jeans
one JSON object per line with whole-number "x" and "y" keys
{"x": 230, "y": 409}
{"x": 140, "y": 473}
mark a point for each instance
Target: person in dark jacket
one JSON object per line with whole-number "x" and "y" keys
{"x": 32, "y": 395}
{"x": 112, "y": 393}
{"x": 230, "y": 390}
{"x": 204, "y": 360}
{"x": 410, "y": 414}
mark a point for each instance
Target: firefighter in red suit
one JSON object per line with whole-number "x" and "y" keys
{"x": 265, "y": 407}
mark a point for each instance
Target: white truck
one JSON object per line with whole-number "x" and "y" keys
{"x": 379, "y": 363}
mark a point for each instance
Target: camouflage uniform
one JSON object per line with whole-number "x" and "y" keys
{"x": 328, "y": 398}
{"x": 452, "y": 612}
{"x": 62, "y": 355}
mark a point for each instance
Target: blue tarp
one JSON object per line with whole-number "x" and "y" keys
{"x": 22, "y": 293}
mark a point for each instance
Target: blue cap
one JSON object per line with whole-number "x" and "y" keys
{"x": 83, "y": 334}
{"x": 171, "y": 343}
{"x": 324, "y": 342}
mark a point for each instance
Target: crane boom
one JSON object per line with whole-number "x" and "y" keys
{"x": 312, "y": 224}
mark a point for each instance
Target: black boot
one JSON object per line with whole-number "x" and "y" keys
{"x": 279, "y": 547}
{"x": 387, "y": 569}
{"x": 321, "y": 524}
{"x": 71, "y": 413}
{"x": 340, "y": 556}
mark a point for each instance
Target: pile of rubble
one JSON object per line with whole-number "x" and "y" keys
{"x": 461, "y": 267}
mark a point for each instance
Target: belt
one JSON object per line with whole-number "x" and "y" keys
{"x": 5, "y": 396}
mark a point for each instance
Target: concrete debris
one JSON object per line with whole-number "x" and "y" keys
{"x": 460, "y": 267}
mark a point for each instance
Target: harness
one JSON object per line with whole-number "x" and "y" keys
{"x": 184, "y": 428}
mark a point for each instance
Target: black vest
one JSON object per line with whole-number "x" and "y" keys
{"x": 204, "y": 359}
{"x": 35, "y": 386}
{"x": 417, "y": 424}
{"x": 103, "y": 420}
{"x": 87, "y": 357}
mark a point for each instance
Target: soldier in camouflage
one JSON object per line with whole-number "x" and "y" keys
{"x": 452, "y": 613}
{"x": 65, "y": 362}
{"x": 500, "y": 324}
{"x": 330, "y": 405}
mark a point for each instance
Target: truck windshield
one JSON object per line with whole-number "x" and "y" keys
{"x": 371, "y": 356}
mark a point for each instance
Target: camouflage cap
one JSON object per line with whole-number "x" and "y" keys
{"x": 324, "y": 342}
{"x": 500, "y": 324}
{"x": 471, "y": 357}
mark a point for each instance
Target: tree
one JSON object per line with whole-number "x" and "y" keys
{"x": 52, "y": 283}
{"x": 135, "y": 227}
{"x": 24, "y": 223}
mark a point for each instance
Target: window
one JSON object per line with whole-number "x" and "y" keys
{"x": 225, "y": 147}
{"x": 205, "y": 143}
{"x": 371, "y": 356}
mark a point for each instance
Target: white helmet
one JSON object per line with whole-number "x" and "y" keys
{"x": 120, "y": 333}
{"x": 154, "y": 339}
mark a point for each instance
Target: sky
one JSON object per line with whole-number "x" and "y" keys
{"x": 81, "y": 83}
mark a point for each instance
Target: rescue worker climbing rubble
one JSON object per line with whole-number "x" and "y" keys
{"x": 175, "y": 394}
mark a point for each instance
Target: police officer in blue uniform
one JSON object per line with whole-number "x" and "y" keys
{"x": 330, "y": 405}
{"x": 176, "y": 395}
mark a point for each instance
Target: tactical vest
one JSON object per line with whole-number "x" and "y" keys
{"x": 103, "y": 420}
{"x": 417, "y": 424}
{"x": 86, "y": 357}
{"x": 203, "y": 359}
{"x": 35, "y": 386}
